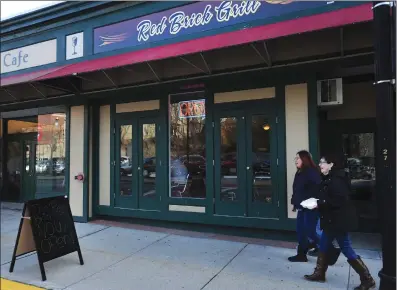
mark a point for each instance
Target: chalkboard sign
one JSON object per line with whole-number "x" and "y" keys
{"x": 46, "y": 227}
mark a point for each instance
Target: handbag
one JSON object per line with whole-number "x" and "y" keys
{"x": 333, "y": 255}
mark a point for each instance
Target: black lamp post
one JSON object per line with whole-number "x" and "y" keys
{"x": 386, "y": 138}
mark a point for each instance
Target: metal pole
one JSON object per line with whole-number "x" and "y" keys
{"x": 386, "y": 140}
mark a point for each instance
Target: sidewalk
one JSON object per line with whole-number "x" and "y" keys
{"x": 129, "y": 258}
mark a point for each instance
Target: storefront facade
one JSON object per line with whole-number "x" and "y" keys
{"x": 189, "y": 111}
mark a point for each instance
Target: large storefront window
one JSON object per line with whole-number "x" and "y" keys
{"x": 36, "y": 157}
{"x": 187, "y": 146}
{"x": 50, "y": 153}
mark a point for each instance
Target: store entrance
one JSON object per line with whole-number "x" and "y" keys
{"x": 21, "y": 172}
{"x": 245, "y": 150}
{"x": 136, "y": 168}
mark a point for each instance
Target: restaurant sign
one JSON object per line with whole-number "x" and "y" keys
{"x": 29, "y": 56}
{"x": 192, "y": 19}
{"x": 191, "y": 109}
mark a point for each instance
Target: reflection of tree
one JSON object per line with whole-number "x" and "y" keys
{"x": 228, "y": 135}
{"x": 149, "y": 140}
{"x": 125, "y": 139}
{"x": 360, "y": 145}
{"x": 366, "y": 144}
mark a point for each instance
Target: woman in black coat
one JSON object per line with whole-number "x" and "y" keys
{"x": 337, "y": 218}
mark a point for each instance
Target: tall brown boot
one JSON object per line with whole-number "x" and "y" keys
{"x": 320, "y": 270}
{"x": 367, "y": 282}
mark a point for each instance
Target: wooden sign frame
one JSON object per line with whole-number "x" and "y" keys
{"x": 27, "y": 240}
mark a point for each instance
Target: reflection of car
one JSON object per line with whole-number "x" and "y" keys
{"x": 42, "y": 166}
{"x": 358, "y": 170}
{"x": 59, "y": 167}
{"x": 195, "y": 164}
{"x": 126, "y": 167}
{"x": 261, "y": 164}
{"x": 149, "y": 167}
{"x": 229, "y": 164}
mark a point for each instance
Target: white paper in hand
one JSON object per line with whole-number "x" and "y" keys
{"x": 310, "y": 203}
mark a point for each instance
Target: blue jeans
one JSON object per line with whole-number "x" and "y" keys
{"x": 306, "y": 224}
{"x": 343, "y": 240}
{"x": 318, "y": 232}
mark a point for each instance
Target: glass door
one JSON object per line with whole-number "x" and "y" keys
{"x": 245, "y": 164}
{"x": 261, "y": 150}
{"x": 148, "y": 164}
{"x": 230, "y": 165}
{"x": 136, "y": 163}
{"x": 126, "y": 165}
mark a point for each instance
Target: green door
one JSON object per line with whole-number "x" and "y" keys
{"x": 261, "y": 164}
{"x": 229, "y": 162}
{"x": 246, "y": 163}
{"x": 21, "y": 165}
{"x": 136, "y": 166}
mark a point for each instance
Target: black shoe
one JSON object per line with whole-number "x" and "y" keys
{"x": 313, "y": 252}
{"x": 298, "y": 258}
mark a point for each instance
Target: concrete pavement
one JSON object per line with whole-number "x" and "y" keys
{"x": 125, "y": 258}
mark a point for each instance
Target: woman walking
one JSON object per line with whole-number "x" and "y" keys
{"x": 337, "y": 218}
{"x": 306, "y": 185}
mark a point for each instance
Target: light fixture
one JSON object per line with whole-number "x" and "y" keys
{"x": 56, "y": 122}
{"x": 266, "y": 127}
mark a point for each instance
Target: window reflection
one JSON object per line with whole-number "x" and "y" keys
{"x": 360, "y": 158}
{"x": 229, "y": 163}
{"x": 187, "y": 148}
{"x": 50, "y": 153}
{"x": 126, "y": 160}
{"x": 262, "y": 183}
{"x": 149, "y": 160}
{"x": 14, "y": 170}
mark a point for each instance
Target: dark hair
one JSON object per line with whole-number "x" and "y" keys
{"x": 336, "y": 158}
{"x": 307, "y": 160}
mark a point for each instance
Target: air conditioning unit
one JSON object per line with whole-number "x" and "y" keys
{"x": 329, "y": 92}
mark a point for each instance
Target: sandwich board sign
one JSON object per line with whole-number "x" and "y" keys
{"x": 47, "y": 228}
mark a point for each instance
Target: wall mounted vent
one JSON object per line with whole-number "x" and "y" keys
{"x": 329, "y": 92}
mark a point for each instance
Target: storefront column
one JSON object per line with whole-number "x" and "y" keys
{"x": 386, "y": 141}
{"x": 79, "y": 160}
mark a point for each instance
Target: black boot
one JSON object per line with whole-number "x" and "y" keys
{"x": 367, "y": 282}
{"x": 300, "y": 257}
{"x": 320, "y": 270}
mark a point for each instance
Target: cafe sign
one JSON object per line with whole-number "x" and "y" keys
{"x": 29, "y": 56}
{"x": 203, "y": 16}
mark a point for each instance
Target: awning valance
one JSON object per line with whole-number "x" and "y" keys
{"x": 346, "y": 16}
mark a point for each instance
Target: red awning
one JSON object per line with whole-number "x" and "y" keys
{"x": 25, "y": 78}
{"x": 346, "y": 16}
